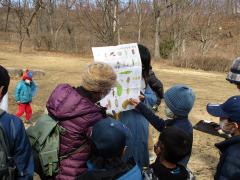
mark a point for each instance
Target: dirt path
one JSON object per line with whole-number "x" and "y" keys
{"x": 60, "y": 68}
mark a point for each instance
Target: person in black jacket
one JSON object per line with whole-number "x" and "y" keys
{"x": 179, "y": 101}
{"x": 173, "y": 145}
{"x": 229, "y": 112}
{"x": 155, "y": 84}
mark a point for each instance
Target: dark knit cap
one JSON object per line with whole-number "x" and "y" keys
{"x": 234, "y": 73}
{"x": 4, "y": 80}
{"x": 109, "y": 137}
{"x": 179, "y": 99}
{"x": 177, "y": 144}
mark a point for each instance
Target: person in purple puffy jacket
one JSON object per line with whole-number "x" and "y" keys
{"x": 77, "y": 111}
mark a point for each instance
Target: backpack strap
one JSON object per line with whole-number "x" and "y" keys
{"x": 79, "y": 149}
{"x": 6, "y": 148}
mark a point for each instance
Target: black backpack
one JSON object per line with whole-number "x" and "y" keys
{"x": 7, "y": 167}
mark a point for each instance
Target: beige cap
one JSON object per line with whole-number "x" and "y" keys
{"x": 98, "y": 77}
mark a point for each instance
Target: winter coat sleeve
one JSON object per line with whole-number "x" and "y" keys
{"x": 228, "y": 167}
{"x": 156, "y": 85}
{"x": 33, "y": 88}
{"x": 156, "y": 121}
{"x": 18, "y": 91}
{"x": 150, "y": 96}
{"x": 22, "y": 152}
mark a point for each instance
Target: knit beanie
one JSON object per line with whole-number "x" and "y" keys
{"x": 177, "y": 144}
{"x": 234, "y": 73}
{"x": 98, "y": 77}
{"x": 180, "y": 100}
{"x": 27, "y": 75}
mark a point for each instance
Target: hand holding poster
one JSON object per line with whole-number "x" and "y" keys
{"x": 125, "y": 60}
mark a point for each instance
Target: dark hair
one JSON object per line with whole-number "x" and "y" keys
{"x": 99, "y": 159}
{"x": 175, "y": 144}
{"x": 146, "y": 60}
{"x": 106, "y": 153}
{"x": 4, "y": 80}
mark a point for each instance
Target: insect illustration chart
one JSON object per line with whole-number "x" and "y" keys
{"x": 125, "y": 59}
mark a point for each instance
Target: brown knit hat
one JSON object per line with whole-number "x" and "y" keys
{"x": 98, "y": 77}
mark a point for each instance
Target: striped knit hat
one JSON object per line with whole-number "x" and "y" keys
{"x": 180, "y": 99}
{"x": 234, "y": 73}
{"x": 98, "y": 77}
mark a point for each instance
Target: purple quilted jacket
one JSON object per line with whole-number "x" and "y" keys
{"x": 77, "y": 114}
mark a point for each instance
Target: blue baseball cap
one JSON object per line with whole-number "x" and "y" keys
{"x": 109, "y": 137}
{"x": 229, "y": 109}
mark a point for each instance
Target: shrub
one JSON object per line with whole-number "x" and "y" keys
{"x": 206, "y": 63}
{"x": 165, "y": 48}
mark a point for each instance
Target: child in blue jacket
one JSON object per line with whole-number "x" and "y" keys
{"x": 179, "y": 101}
{"x": 229, "y": 114}
{"x": 138, "y": 142}
{"x": 107, "y": 149}
{"x": 15, "y": 134}
{"x": 24, "y": 92}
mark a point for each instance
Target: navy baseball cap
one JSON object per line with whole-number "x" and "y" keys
{"x": 109, "y": 137}
{"x": 229, "y": 109}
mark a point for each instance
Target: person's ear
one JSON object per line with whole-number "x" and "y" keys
{"x": 124, "y": 150}
{"x": 1, "y": 95}
{"x": 231, "y": 127}
{"x": 157, "y": 149}
{"x": 238, "y": 86}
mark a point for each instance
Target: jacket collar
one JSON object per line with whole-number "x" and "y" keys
{"x": 83, "y": 92}
{"x": 229, "y": 142}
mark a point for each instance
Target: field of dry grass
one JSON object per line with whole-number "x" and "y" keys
{"x": 65, "y": 68}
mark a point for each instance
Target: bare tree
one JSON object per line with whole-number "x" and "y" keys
{"x": 206, "y": 30}
{"x": 24, "y": 15}
{"x": 104, "y": 22}
{"x": 156, "y": 5}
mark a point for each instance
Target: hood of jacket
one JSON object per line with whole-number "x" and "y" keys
{"x": 66, "y": 103}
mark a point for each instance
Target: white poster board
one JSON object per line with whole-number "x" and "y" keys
{"x": 125, "y": 60}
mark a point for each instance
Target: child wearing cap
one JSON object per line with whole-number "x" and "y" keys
{"x": 108, "y": 145}
{"x": 179, "y": 101}
{"x": 229, "y": 114}
{"x": 234, "y": 73}
{"x": 24, "y": 92}
{"x": 172, "y": 146}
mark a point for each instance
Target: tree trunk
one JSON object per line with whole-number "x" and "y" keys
{"x": 20, "y": 45}
{"x": 8, "y": 11}
{"x": 119, "y": 36}
{"x": 139, "y": 11}
{"x": 183, "y": 46}
{"x": 156, "y": 6}
{"x": 115, "y": 17}
{"x": 157, "y": 36}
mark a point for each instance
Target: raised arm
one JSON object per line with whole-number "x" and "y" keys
{"x": 156, "y": 121}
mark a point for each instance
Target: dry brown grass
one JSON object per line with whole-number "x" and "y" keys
{"x": 65, "y": 68}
